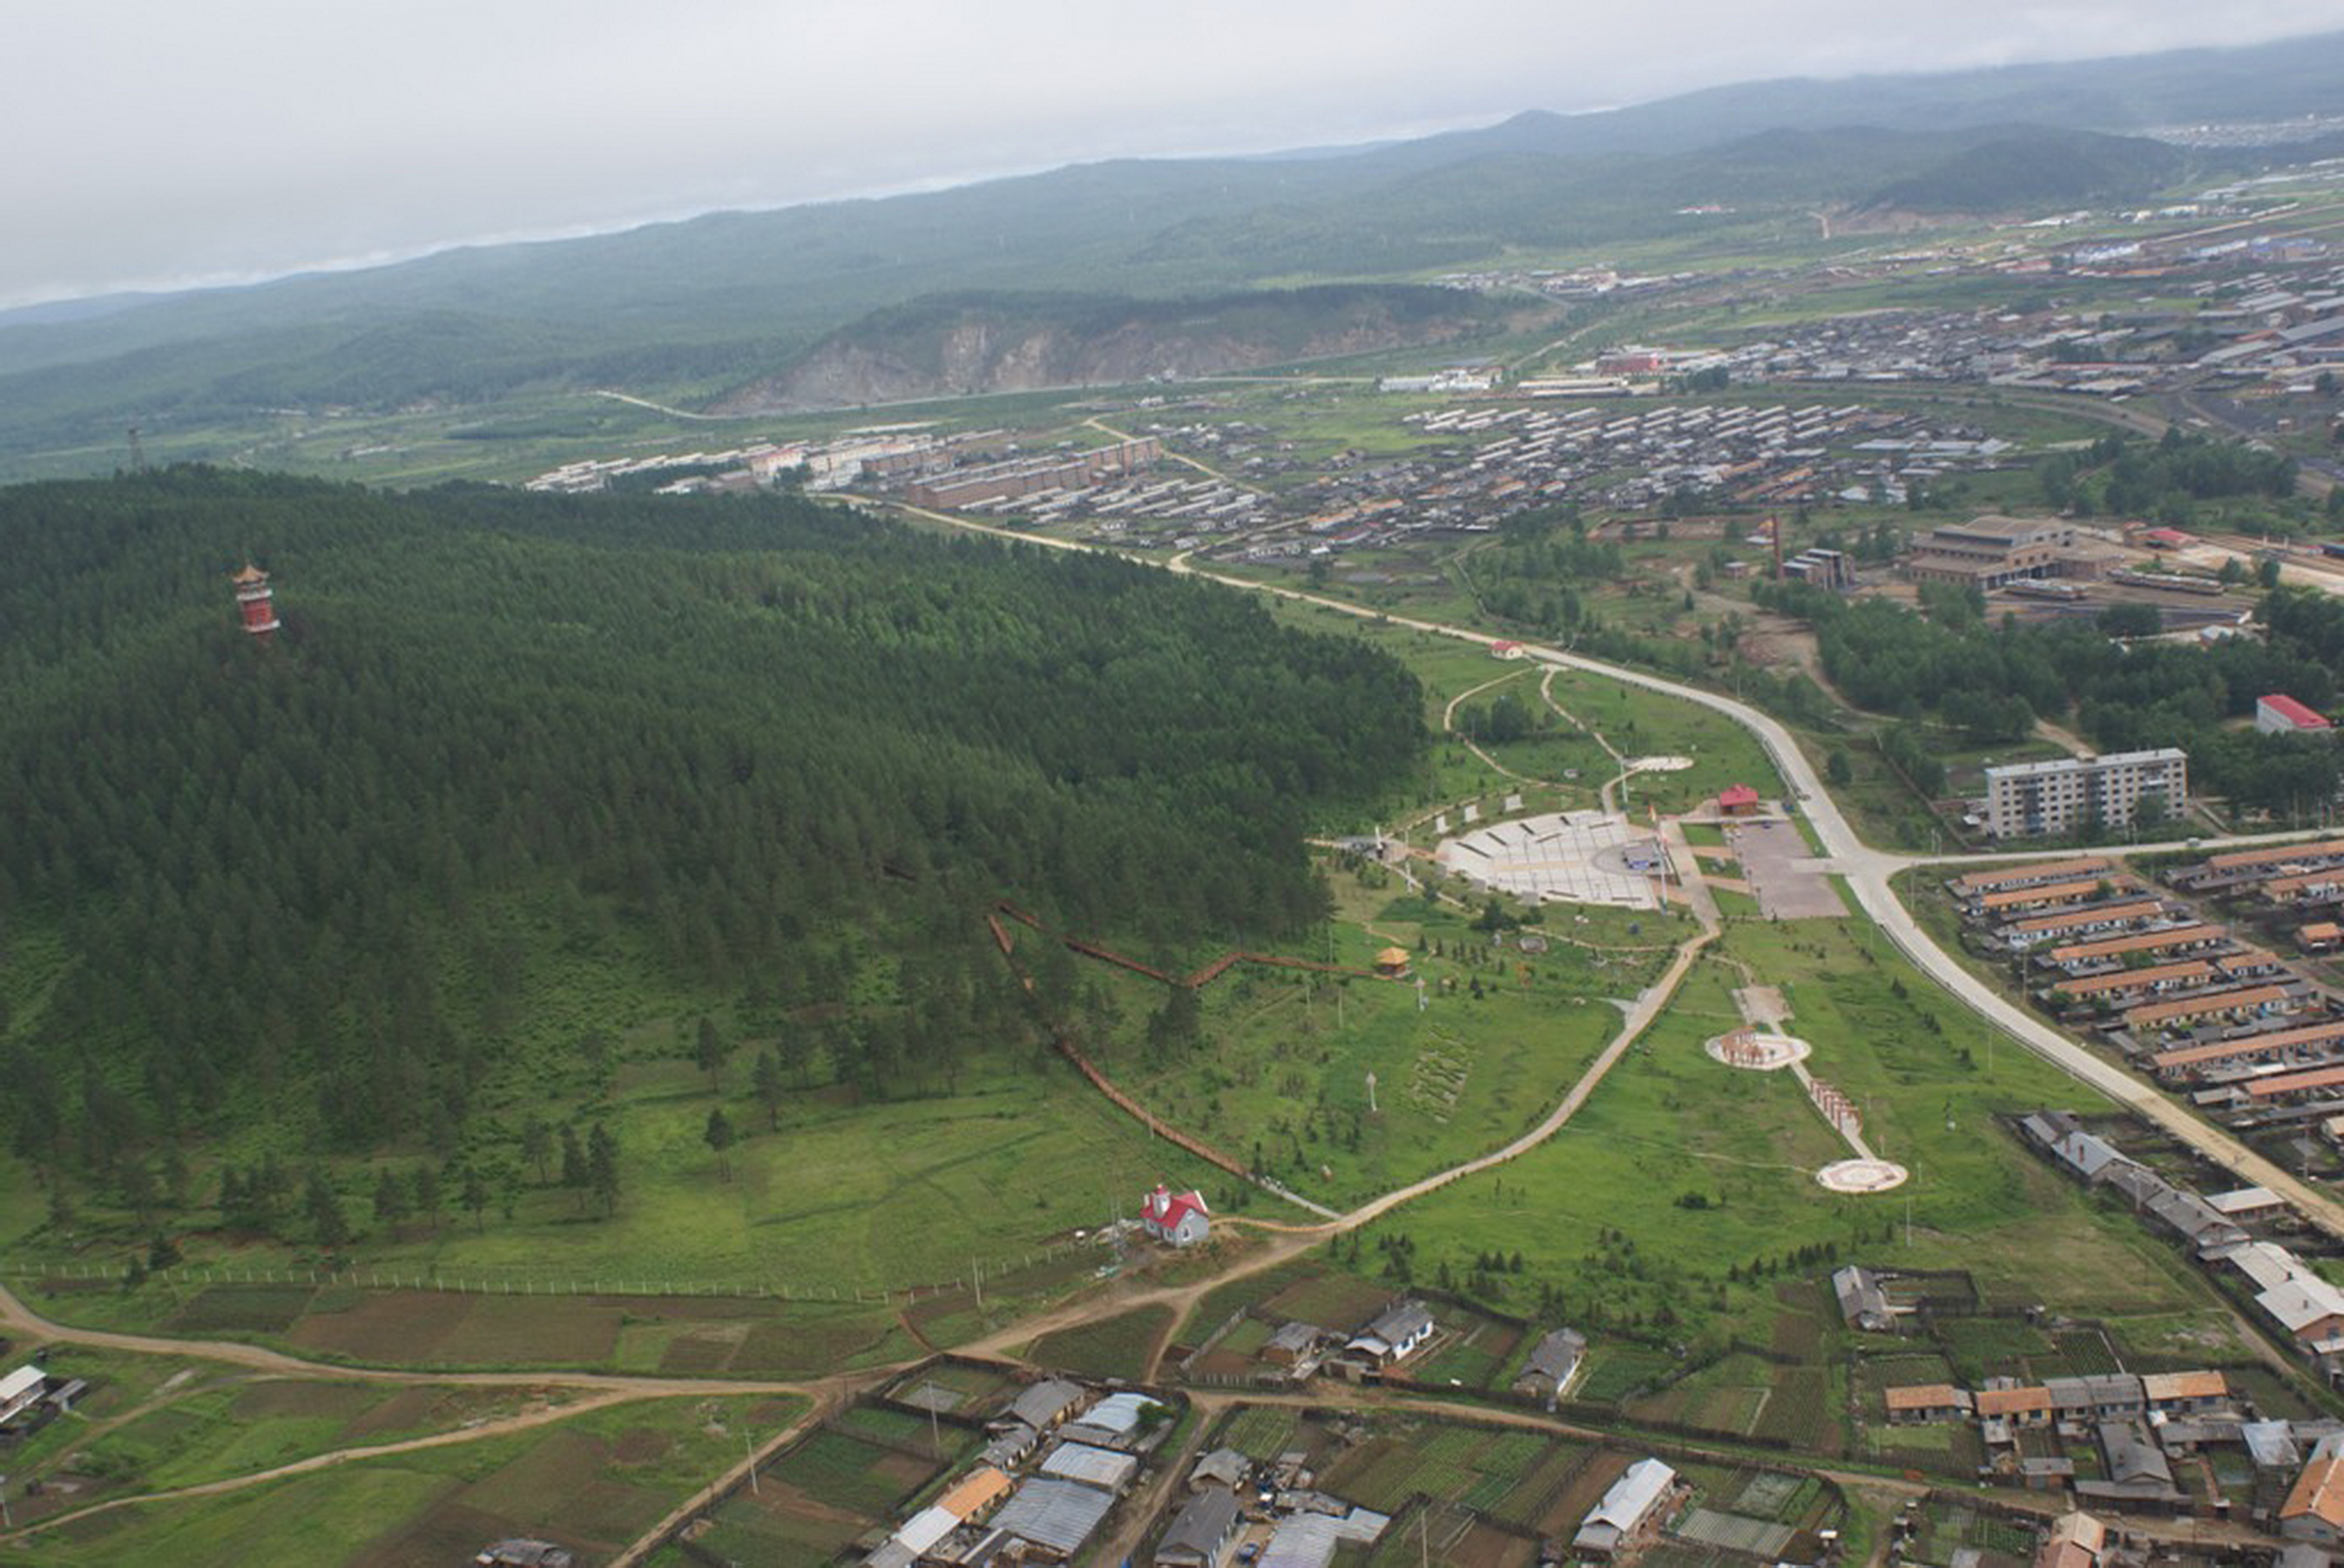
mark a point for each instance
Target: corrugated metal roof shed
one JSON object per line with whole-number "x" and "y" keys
{"x": 1059, "y": 1514}
{"x": 1092, "y": 1466}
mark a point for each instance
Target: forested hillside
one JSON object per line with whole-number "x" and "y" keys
{"x": 764, "y": 749}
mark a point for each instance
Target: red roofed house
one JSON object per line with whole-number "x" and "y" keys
{"x": 1508, "y": 651}
{"x": 1738, "y": 800}
{"x": 2165, "y": 538}
{"x": 1175, "y": 1218}
{"x": 2280, "y": 714}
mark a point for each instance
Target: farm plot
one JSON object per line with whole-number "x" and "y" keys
{"x": 1475, "y": 1353}
{"x": 1123, "y": 1346}
{"x": 1980, "y": 1347}
{"x": 1733, "y": 1531}
{"x": 1949, "y": 1529}
{"x": 1447, "y": 1533}
{"x": 1477, "y": 1466}
{"x": 1730, "y": 1396}
{"x": 1342, "y": 1302}
{"x": 241, "y": 1310}
{"x": 1259, "y": 1431}
{"x": 846, "y": 1471}
{"x": 429, "y": 1328}
{"x": 1615, "y": 1372}
{"x": 1799, "y": 1412}
{"x": 953, "y": 1386}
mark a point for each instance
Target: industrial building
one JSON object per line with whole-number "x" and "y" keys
{"x": 1992, "y": 552}
{"x": 2280, "y": 714}
{"x": 2037, "y": 800}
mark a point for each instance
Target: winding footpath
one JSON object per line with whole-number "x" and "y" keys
{"x": 1868, "y": 873}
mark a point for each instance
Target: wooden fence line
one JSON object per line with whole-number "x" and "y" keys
{"x": 489, "y": 1283}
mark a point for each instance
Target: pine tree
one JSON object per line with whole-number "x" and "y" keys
{"x": 718, "y": 1135}
{"x": 602, "y": 1166}
{"x": 709, "y": 1052}
{"x": 770, "y": 1088}
{"x": 537, "y": 1145}
{"x": 324, "y": 1208}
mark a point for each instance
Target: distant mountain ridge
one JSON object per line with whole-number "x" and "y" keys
{"x": 2010, "y": 173}
{"x": 737, "y": 300}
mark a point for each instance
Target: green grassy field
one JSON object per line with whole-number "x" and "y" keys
{"x": 1283, "y": 1079}
{"x": 593, "y": 1482}
{"x": 1680, "y": 1175}
{"x": 834, "y": 1200}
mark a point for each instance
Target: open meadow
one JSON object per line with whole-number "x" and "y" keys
{"x": 1684, "y": 1186}
{"x": 593, "y": 1482}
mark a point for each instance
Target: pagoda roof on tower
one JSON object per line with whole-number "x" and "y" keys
{"x": 250, "y": 574}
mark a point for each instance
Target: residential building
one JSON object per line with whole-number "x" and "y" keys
{"x": 1200, "y": 1531}
{"x": 1043, "y": 1405}
{"x": 2065, "y": 794}
{"x": 1863, "y": 1302}
{"x": 1632, "y": 1499}
{"x": 2112, "y": 1397}
{"x": 2076, "y": 1541}
{"x": 1398, "y": 1333}
{"x": 1175, "y": 1218}
{"x": 2314, "y": 1509}
{"x": 1553, "y": 1363}
{"x": 2021, "y": 1407}
{"x": 2173, "y": 1393}
{"x": 1916, "y": 1404}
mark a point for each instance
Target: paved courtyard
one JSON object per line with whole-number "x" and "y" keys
{"x": 1569, "y": 858}
{"x": 1780, "y": 868}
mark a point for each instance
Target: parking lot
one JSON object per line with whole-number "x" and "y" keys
{"x": 1781, "y": 870}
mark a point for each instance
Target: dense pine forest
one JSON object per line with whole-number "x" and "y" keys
{"x": 779, "y": 752}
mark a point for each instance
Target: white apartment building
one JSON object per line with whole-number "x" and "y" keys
{"x": 2039, "y": 800}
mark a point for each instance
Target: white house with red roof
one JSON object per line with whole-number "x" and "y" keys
{"x": 1175, "y": 1218}
{"x": 2280, "y": 714}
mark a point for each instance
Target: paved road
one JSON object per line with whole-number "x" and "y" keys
{"x": 1868, "y": 871}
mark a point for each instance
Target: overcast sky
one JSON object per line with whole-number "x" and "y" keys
{"x": 158, "y": 143}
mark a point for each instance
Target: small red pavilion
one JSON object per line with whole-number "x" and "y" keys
{"x": 1737, "y": 800}
{"x": 254, "y": 602}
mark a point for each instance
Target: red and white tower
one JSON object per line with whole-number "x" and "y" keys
{"x": 253, "y": 601}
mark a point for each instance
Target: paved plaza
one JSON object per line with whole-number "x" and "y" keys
{"x": 1571, "y": 857}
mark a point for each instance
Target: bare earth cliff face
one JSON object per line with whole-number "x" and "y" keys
{"x": 986, "y": 350}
